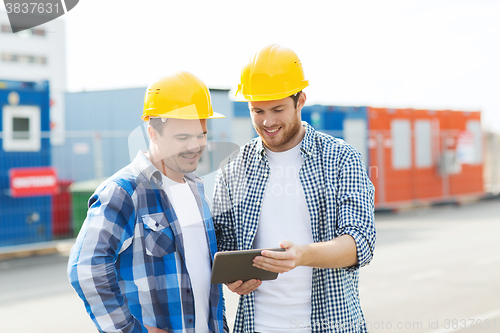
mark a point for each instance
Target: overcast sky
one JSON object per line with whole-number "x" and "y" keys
{"x": 396, "y": 53}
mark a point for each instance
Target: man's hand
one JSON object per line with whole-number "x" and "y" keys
{"x": 280, "y": 261}
{"x": 154, "y": 329}
{"x": 244, "y": 288}
{"x": 339, "y": 252}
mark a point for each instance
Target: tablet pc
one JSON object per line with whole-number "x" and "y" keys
{"x": 230, "y": 266}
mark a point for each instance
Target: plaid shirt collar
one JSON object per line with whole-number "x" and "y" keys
{"x": 306, "y": 150}
{"x": 153, "y": 174}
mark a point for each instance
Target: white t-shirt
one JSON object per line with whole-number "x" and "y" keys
{"x": 284, "y": 304}
{"x": 196, "y": 249}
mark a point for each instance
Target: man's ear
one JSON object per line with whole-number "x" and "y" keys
{"x": 302, "y": 101}
{"x": 152, "y": 133}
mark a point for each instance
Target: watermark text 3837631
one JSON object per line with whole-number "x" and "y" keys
{"x": 26, "y": 14}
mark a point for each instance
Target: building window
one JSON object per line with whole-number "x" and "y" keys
{"x": 21, "y": 128}
{"x": 6, "y": 28}
{"x": 39, "y": 32}
{"x": 41, "y": 60}
{"x": 9, "y": 57}
{"x": 24, "y": 58}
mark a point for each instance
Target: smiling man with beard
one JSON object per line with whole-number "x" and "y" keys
{"x": 297, "y": 189}
{"x": 142, "y": 260}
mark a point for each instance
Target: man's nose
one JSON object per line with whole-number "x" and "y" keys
{"x": 269, "y": 121}
{"x": 195, "y": 144}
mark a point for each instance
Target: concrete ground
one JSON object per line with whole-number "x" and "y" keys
{"x": 435, "y": 270}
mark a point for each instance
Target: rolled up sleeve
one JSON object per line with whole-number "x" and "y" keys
{"x": 355, "y": 202}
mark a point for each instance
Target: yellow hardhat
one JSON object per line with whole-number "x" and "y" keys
{"x": 180, "y": 95}
{"x": 274, "y": 72}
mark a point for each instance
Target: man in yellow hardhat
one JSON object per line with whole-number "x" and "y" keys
{"x": 142, "y": 260}
{"x": 301, "y": 190}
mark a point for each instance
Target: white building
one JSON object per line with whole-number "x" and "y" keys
{"x": 37, "y": 54}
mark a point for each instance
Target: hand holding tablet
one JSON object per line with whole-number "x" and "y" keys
{"x": 230, "y": 266}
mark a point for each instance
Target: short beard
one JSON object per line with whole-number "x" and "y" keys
{"x": 288, "y": 136}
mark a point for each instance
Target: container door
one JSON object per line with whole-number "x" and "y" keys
{"x": 427, "y": 182}
{"x": 469, "y": 151}
{"x": 399, "y": 175}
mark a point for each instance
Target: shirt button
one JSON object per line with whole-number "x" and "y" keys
{"x": 190, "y": 320}
{"x": 157, "y": 224}
{"x": 188, "y": 291}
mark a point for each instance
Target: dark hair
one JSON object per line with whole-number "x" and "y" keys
{"x": 157, "y": 124}
{"x": 295, "y": 98}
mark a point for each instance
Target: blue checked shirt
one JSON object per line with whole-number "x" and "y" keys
{"x": 127, "y": 264}
{"x": 339, "y": 197}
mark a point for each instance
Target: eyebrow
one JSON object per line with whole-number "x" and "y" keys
{"x": 273, "y": 108}
{"x": 187, "y": 134}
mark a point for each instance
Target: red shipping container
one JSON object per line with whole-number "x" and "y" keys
{"x": 424, "y": 156}
{"x": 462, "y": 134}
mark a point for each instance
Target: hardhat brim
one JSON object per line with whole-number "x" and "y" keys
{"x": 239, "y": 97}
{"x": 214, "y": 116}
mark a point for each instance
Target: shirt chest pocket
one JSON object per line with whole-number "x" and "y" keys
{"x": 158, "y": 236}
